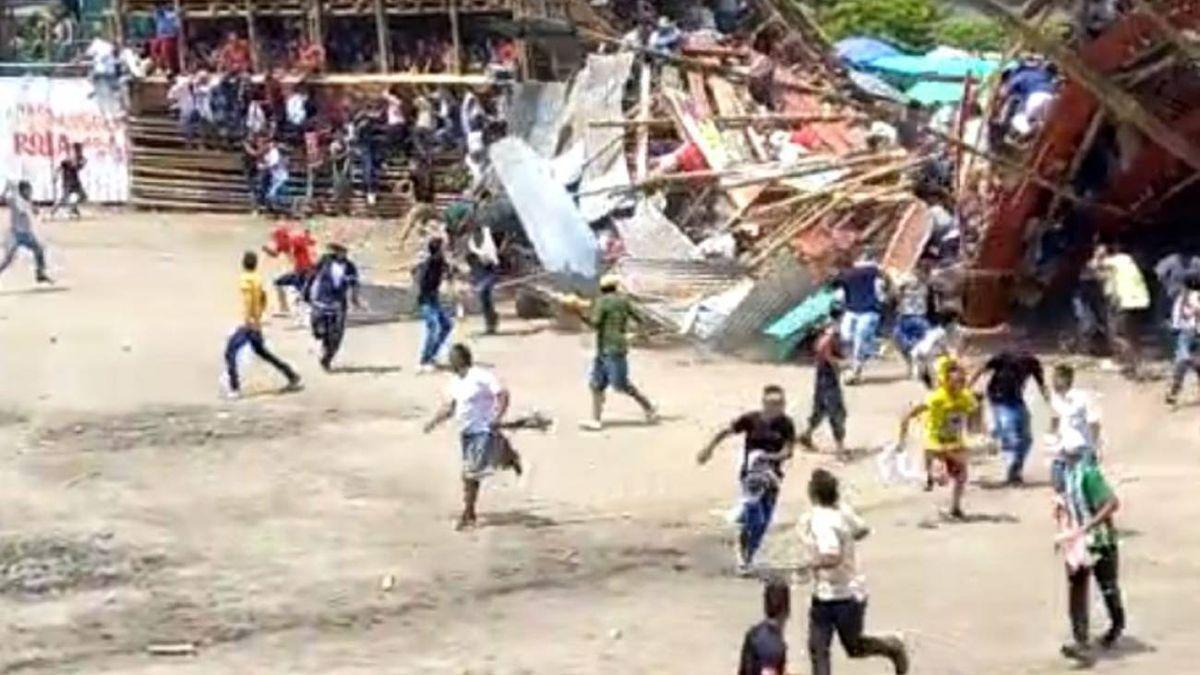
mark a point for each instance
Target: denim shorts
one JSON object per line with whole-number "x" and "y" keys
{"x": 610, "y": 370}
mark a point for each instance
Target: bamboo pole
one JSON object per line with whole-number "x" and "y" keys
{"x": 1121, "y": 103}
{"x": 844, "y": 184}
{"x": 183, "y": 37}
{"x": 728, "y": 120}
{"x": 317, "y": 21}
{"x": 381, "y": 34}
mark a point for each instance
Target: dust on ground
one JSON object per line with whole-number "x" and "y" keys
{"x": 311, "y": 533}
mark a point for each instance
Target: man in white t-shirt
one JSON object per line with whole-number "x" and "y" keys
{"x": 1076, "y": 421}
{"x": 477, "y": 401}
{"x": 839, "y": 600}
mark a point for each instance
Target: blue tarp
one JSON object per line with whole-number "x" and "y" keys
{"x": 905, "y": 65}
{"x": 859, "y": 50}
{"x": 935, "y": 92}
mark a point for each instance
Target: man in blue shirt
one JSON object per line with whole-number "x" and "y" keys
{"x": 164, "y": 48}
{"x": 334, "y": 286}
{"x": 864, "y": 290}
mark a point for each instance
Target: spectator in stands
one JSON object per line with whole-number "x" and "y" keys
{"x": 234, "y": 55}
{"x": 364, "y": 139}
{"x": 103, "y": 56}
{"x": 182, "y": 99}
{"x": 253, "y": 148}
{"x": 164, "y": 47}
{"x": 313, "y": 157}
{"x": 256, "y": 115}
{"x": 65, "y": 30}
{"x": 296, "y": 112}
{"x": 340, "y": 163}
{"x": 310, "y": 57}
{"x": 395, "y": 120}
{"x": 275, "y": 169}
{"x": 275, "y": 101}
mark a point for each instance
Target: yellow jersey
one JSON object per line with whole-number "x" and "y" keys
{"x": 254, "y": 299}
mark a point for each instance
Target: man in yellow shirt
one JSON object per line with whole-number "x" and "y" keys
{"x": 254, "y": 303}
{"x": 1128, "y": 298}
{"x": 947, "y": 410}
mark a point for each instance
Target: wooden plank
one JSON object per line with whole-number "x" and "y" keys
{"x": 456, "y": 37}
{"x": 183, "y": 37}
{"x": 642, "y": 159}
{"x": 381, "y": 32}
{"x": 908, "y": 239}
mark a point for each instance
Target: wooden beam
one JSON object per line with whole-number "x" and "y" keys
{"x": 252, "y": 35}
{"x": 381, "y": 32}
{"x": 642, "y": 159}
{"x": 1188, "y": 46}
{"x": 456, "y": 38}
{"x": 316, "y": 18}
{"x": 183, "y": 37}
{"x": 1119, "y": 102}
{"x": 119, "y": 21}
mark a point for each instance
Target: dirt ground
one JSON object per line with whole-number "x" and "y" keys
{"x": 138, "y": 508}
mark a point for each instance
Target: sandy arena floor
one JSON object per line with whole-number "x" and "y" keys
{"x": 138, "y": 508}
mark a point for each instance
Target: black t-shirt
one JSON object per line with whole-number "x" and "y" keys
{"x": 70, "y": 175}
{"x": 768, "y": 435}
{"x": 1010, "y": 371}
{"x": 429, "y": 279}
{"x": 763, "y": 647}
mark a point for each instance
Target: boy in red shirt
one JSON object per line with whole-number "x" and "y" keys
{"x": 297, "y": 245}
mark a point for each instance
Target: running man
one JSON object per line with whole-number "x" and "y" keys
{"x": 947, "y": 410}
{"x": 1086, "y": 511}
{"x": 478, "y": 401}
{"x": 331, "y": 292}
{"x": 297, "y": 245}
{"x": 839, "y": 601}
{"x": 611, "y": 314}
{"x": 72, "y": 185}
{"x": 864, "y": 289}
{"x": 20, "y": 233}
{"x": 769, "y": 439}
{"x": 828, "y": 402}
{"x": 254, "y": 303}
{"x": 1185, "y": 319}
{"x": 1011, "y": 426}
{"x": 430, "y": 274}
{"x": 764, "y": 649}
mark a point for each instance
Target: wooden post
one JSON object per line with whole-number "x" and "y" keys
{"x": 119, "y": 21}
{"x": 643, "y": 132}
{"x": 252, "y": 35}
{"x": 183, "y": 36}
{"x": 381, "y": 30}
{"x": 317, "y": 23}
{"x": 456, "y": 38}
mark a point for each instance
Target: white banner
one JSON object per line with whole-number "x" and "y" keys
{"x": 41, "y": 118}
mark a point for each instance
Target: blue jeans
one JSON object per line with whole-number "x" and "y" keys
{"x": 910, "y": 328}
{"x": 276, "y": 199}
{"x": 437, "y": 330}
{"x": 1187, "y": 349}
{"x": 22, "y": 239}
{"x": 367, "y": 166}
{"x": 253, "y": 336}
{"x": 858, "y": 330}
{"x": 1011, "y": 429}
{"x": 755, "y": 520}
{"x": 485, "y": 284}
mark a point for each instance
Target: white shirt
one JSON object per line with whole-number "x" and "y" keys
{"x": 475, "y": 395}
{"x": 1076, "y": 412}
{"x": 1185, "y": 313}
{"x": 256, "y": 118}
{"x": 485, "y": 250}
{"x": 182, "y": 98}
{"x": 831, "y": 532}
{"x": 295, "y": 109}
{"x": 133, "y": 63}
{"x": 104, "y": 57}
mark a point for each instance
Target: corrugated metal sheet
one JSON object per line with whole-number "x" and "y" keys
{"x": 677, "y": 280}
{"x": 784, "y": 284}
{"x": 649, "y": 234}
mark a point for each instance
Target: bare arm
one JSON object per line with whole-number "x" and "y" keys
{"x": 915, "y": 412}
{"x": 1106, "y": 510}
{"x": 502, "y": 401}
{"x": 443, "y": 413}
{"x": 707, "y": 452}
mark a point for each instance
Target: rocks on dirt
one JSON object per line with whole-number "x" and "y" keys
{"x": 39, "y": 566}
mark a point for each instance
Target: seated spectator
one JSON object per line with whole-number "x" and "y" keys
{"x": 164, "y": 47}
{"x": 234, "y": 55}
{"x": 65, "y": 30}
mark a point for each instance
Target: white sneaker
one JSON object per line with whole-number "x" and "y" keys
{"x": 228, "y": 393}
{"x": 591, "y": 425}
{"x": 426, "y": 369}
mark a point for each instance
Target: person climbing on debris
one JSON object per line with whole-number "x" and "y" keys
{"x": 479, "y": 402}
{"x": 331, "y": 291}
{"x": 1011, "y": 421}
{"x": 828, "y": 401}
{"x": 770, "y": 436}
{"x": 610, "y": 317}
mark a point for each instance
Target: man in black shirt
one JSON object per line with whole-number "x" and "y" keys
{"x": 331, "y": 290}
{"x": 1005, "y": 393}
{"x": 73, "y": 193}
{"x": 764, "y": 651}
{"x": 429, "y": 277}
{"x": 769, "y": 437}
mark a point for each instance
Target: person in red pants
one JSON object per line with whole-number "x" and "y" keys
{"x": 164, "y": 47}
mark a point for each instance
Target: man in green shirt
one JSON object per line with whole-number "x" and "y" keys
{"x": 611, "y": 314}
{"x": 1087, "y": 506}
